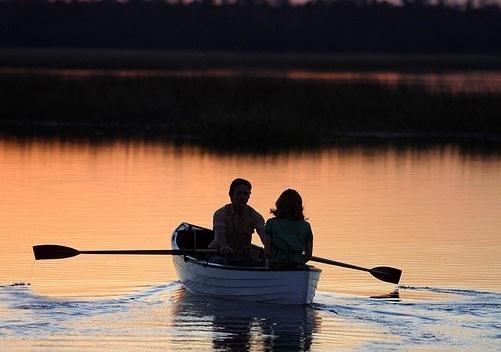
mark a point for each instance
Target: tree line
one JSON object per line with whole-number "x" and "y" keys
{"x": 275, "y": 26}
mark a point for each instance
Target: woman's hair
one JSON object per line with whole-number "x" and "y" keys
{"x": 289, "y": 205}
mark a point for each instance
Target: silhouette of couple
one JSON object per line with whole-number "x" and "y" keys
{"x": 287, "y": 237}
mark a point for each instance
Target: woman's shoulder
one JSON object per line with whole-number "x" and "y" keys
{"x": 289, "y": 221}
{"x": 272, "y": 220}
{"x": 304, "y": 223}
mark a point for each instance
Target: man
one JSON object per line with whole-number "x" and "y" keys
{"x": 234, "y": 225}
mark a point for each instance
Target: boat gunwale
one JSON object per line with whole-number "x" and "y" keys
{"x": 205, "y": 263}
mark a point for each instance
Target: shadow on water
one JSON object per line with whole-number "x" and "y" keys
{"x": 238, "y": 326}
{"x": 393, "y": 295}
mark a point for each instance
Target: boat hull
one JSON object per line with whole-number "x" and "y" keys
{"x": 248, "y": 284}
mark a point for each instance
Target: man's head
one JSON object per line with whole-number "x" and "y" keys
{"x": 240, "y": 190}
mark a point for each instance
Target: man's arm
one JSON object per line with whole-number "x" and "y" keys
{"x": 220, "y": 241}
{"x": 259, "y": 226}
{"x": 267, "y": 241}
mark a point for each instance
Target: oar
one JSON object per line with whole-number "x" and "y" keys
{"x": 383, "y": 273}
{"x": 52, "y": 251}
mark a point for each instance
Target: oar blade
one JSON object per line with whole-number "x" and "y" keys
{"x": 387, "y": 274}
{"x": 51, "y": 251}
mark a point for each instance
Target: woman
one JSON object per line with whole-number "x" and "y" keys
{"x": 288, "y": 237}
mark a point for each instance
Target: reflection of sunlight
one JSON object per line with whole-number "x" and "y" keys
{"x": 165, "y": 317}
{"x": 471, "y": 81}
{"x": 467, "y": 81}
{"x": 367, "y": 206}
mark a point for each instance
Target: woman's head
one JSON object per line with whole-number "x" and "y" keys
{"x": 289, "y": 205}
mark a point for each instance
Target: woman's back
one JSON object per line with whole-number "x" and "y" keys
{"x": 289, "y": 238}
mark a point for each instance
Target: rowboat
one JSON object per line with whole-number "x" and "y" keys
{"x": 201, "y": 275}
{"x": 256, "y": 284}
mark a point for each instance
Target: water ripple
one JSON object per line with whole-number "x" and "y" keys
{"x": 166, "y": 317}
{"x": 470, "y": 319}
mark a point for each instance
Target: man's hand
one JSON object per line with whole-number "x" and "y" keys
{"x": 223, "y": 249}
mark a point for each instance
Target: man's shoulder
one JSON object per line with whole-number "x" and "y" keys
{"x": 257, "y": 218}
{"x": 221, "y": 211}
{"x": 254, "y": 212}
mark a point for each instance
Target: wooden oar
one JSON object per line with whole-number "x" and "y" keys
{"x": 52, "y": 251}
{"x": 383, "y": 273}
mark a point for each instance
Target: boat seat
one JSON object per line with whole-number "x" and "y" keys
{"x": 187, "y": 239}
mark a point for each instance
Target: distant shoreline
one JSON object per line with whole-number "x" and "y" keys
{"x": 161, "y": 131}
{"x": 161, "y": 59}
{"x": 242, "y": 111}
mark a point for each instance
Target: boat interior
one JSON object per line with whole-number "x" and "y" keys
{"x": 196, "y": 237}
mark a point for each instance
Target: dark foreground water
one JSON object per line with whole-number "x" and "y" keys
{"x": 165, "y": 318}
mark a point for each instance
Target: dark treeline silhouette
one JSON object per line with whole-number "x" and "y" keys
{"x": 342, "y": 26}
{"x": 250, "y": 112}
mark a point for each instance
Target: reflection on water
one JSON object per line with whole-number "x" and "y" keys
{"x": 434, "y": 212}
{"x": 166, "y": 318}
{"x": 459, "y": 81}
{"x": 476, "y": 81}
{"x": 238, "y": 326}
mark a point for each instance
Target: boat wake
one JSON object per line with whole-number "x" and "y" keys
{"x": 165, "y": 315}
{"x": 24, "y": 313}
{"x": 454, "y": 319}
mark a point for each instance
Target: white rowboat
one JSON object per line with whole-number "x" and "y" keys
{"x": 257, "y": 284}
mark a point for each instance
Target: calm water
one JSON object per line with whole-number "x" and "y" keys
{"x": 432, "y": 212}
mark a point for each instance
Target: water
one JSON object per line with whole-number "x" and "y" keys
{"x": 164, "y": 317}
{"x": 469, "y": 81}
{"x": 432, "y": 212}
